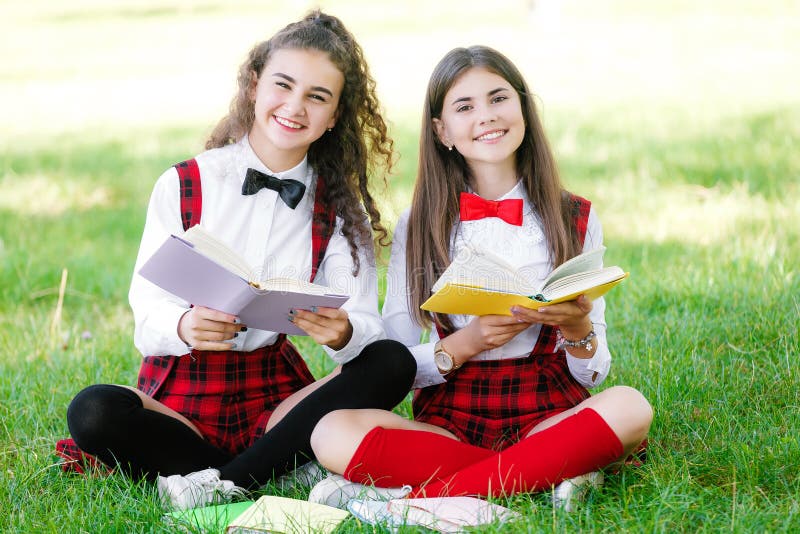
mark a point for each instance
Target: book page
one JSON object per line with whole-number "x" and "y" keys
{"x": 211, "y": 247}
{"x": 293, "y": 285}
{"x": 588, "y": 261}
{"x": 581, "y": 281}
{"x": 480, "y": 268}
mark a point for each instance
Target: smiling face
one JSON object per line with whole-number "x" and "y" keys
{"x": 296, "y": 98}
{"x": 482, "y": 118}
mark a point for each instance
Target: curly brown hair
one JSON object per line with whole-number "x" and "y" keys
{"x": 358, "y": 145}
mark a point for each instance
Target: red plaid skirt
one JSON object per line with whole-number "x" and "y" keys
{"x": 231, "y": 395}
{"x": 493, "y": 404}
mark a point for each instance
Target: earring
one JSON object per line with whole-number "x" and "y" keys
{"x": 330, "y": 129}
{"x": 450, "y": 148}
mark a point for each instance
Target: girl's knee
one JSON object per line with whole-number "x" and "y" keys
{"x": 335, "y": 438}
{"x": 396, "y": 362}
{"x": 329, "y": 426}
{"x": 638, "y": 405}
{"x": 97, "y": 407}
{"x": 635, "y": 409}
{"x": 626, "y": 411}
{"x": 330, "y": 421}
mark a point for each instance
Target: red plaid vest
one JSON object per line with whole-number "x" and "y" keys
{"x": 155, "y": 369}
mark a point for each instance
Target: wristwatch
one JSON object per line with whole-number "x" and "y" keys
{"x": 445, "y": 361}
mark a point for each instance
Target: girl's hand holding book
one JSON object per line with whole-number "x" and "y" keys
{"x": 326, "y": 326}
{"x": 202, "y": 328}
{"x": 565, "y": 315}
{"x": 483, "y": 333}
{"x": 571, "y": 318}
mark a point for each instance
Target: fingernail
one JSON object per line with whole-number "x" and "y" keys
{"x": 235, "y": 335}
{"x": 236, "y": 320}
{"x": 292, "y": 312}
{"x": 290, "y": 318}
{"x": 313, "y": 309}
{"x": 243, "y": 329}
{"x": 234, "y": 346}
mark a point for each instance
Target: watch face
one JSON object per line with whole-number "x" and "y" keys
{"x": 443, "y": 361}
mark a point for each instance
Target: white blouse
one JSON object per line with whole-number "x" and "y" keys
{"x": 273, "y": 238}
{"x": 525, "y": 248}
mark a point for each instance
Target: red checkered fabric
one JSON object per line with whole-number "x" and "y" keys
{"x": 155, "y": 369}
{"x": 73, "y": 459}
{"x": 323, "y": 222}
{"x": 228, "y": 395}
{"x": 198, "y": 388}
{"x": 191, "y": 192}
{"x": 493, "y": 404}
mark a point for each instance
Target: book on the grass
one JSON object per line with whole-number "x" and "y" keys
{"x": 211, "y": 519}
{"x": 281, "y": 515}
{"x": 203, "y": 271}
{"x": 441, "y": 514}
{"x": 479, "y": 282}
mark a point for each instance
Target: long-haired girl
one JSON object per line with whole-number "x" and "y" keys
{"x": 220, "y": 407}
{"x": 501, "y": 404}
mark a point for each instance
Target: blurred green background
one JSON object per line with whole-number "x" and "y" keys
{"x": 679, "y": 120}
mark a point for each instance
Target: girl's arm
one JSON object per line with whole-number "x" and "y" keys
{"x": 592, "y": 371}
{"x": 336, "y": 271}
{"x": 397, "y": 318}
{"x": 156, "y": 312}
{"x": 576, "y": 319}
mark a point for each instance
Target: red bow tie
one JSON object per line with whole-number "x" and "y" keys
{"x": 474, "y": 207}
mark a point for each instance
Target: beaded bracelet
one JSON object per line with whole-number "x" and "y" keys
{"x": 585, "y": 343}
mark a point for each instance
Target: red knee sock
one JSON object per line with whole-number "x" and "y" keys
{"x": 392, "y": 457}
{"x": 577, "y": 445}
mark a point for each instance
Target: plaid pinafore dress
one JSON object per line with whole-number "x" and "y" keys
{"x": 230, "y": 395}
{"x": 495, "y": 403}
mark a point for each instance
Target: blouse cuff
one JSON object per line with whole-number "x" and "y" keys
{"x": 592, "y": 371}
{"x": 353, "y": 347}
{"x": 427, "y": 372}
{"x": 168, "y": 342}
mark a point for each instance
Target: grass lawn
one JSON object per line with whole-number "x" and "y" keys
{"x": 680, "y": 121}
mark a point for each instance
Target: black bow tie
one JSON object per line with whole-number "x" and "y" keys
{"x": 290, "y": 191}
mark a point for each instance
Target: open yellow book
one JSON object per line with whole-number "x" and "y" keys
{"x": 478, "y": 282}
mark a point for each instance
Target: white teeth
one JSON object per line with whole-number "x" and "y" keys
{"x": 491, "y": 135}
{"x": 287, "y": 123}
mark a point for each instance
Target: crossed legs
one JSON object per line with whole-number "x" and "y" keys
{"x": 373, "y": 446}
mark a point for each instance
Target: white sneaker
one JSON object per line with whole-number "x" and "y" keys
{"x": 200, "y": 488}
{"x": 337, "y": 491}
{"x": 306, "y": 475}
{"x": 574, "y": 490}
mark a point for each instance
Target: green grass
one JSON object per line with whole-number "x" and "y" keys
{"x": 697, "y": 186}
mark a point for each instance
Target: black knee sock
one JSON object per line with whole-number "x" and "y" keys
{"x": 380, "y": 377}
{"x": 111, "y": 423}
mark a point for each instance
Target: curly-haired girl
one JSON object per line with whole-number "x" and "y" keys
{"x": 219, "y": 407}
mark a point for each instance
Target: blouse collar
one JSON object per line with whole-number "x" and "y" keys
{"x": 249, "y": 158}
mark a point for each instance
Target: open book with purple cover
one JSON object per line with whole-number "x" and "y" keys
{"x": 203, "y": 271}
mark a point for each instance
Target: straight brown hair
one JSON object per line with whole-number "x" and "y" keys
{"x": 443, "y": 174}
